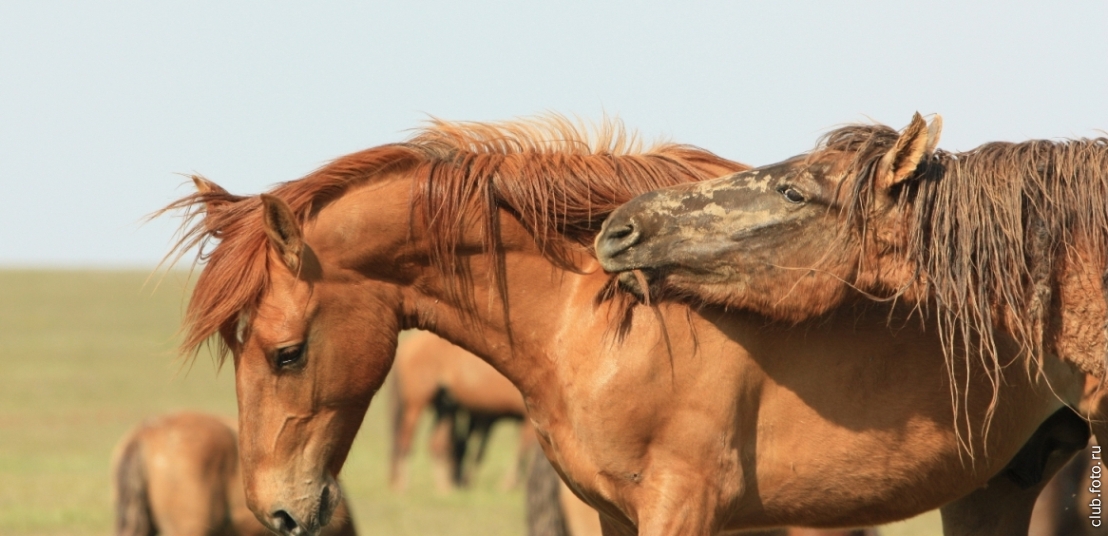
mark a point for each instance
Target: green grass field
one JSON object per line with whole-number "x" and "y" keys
{"x": 86, "y": 355}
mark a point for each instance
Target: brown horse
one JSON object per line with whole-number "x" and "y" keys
{"x": 428, "y": 369}
{"x": 178, "y": 474}
{"x": 1008, "y": 239}
{"x": 666, "y": 419}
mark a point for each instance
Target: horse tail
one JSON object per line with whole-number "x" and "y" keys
{"x": 544, "y": 509}
{"x": 132, "y": 503}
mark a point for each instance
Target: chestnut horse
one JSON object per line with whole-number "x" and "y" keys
{"x": 667, "y": 419}
{"x": 179, "y": 474}
{"x": 1008, "y": 237}
{"x": 428, "y": 369}
{"x": 1006, "y": 241}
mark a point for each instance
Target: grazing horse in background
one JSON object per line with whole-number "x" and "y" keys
{"x": 178, "y": 474}
{"x": 668, "y": 419}
{"x": 427, "y": 371}
{"x": 1004, "y": 245}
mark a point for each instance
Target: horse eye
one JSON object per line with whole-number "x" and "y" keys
{"x": 289, "y": 356}
{"x": 790, "y": 193}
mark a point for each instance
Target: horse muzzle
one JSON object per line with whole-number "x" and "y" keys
{"x": 286, "y": 520}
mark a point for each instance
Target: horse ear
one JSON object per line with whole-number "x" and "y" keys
{"x": 934, "y": 131}
{"x": 283, "y": 231}
{"x": 213, "y": 195}
{"x": 906, "y": 154}
{"x": 205, "y": 186}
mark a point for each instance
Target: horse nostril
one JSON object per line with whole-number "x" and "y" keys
{"x": 616, "y": 239}
{"x": 621, "y": 231}
{"x": 283, "y": 522}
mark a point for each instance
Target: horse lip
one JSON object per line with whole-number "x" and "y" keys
{"x": 630, "y": 283}
{"x": 311, "y": 525}
{"x": 617, "y": 265}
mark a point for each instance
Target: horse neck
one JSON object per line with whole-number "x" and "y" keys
{"x": 372, "y": 233}
{"x": 510, "y": 331}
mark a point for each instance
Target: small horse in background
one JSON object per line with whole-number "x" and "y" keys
{"x": 429, "y": 371}
{"x": 178, "y": 474}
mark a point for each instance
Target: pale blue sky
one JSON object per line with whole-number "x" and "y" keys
{"x": 101, "y": 103}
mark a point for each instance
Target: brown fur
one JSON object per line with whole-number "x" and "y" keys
{"x": 178, "y": 474}
{"x": 1008, "y": 239}
{"x": 132, "y": 507}
{"x": 1007, "y": 236}
{"x": 992, "y": 232}
{"x": 697, "y": 422}
{"x": 425, "y": 366}
{"x": 461, "y": 166}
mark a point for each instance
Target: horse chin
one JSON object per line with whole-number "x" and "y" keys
{"x": 628, "y": 283}
{"x": 640, "y": 283}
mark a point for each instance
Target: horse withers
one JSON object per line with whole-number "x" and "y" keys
{"x": 179, "y": 474}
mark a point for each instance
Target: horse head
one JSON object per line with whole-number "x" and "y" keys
{"x": 305, "y": 373}
{"x": 780, "y": 239}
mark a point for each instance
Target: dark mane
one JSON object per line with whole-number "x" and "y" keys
{"x": 986, "y": 230}
{"x": 559, "y": 178}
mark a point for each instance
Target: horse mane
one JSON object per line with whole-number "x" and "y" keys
{"x": 558, "y": 177}
{"x": 986, "y": 230}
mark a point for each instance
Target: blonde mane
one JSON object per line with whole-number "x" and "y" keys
{"x": 559, "y": 178}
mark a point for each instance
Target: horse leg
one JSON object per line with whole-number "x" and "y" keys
{"x": 678, "y": 505}
{"x": 527, "y": 443}
{"x": 480, "y": 426}
{"x": 1004, "y": 505}
{"x": 545, "y": 514}
{"x": 405, "y": 419}
{"x": 442, "y": 451}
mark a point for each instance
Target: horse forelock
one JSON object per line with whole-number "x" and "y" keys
{"x": 558, "y": 177}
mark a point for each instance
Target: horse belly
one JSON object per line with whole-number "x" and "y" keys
{"x": 814, "y": 471}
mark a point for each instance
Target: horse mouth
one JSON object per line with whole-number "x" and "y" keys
{"x": 639, "y": 283}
